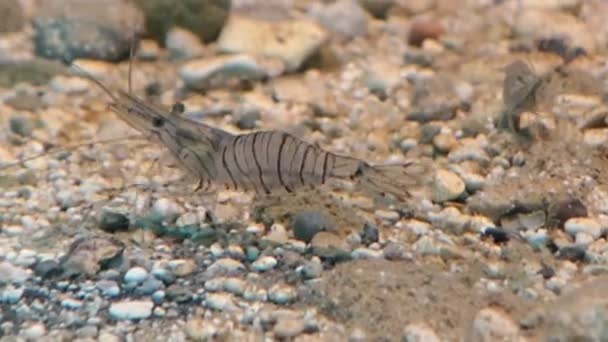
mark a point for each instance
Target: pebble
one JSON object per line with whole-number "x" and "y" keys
{"x": 370, "y": 234}
{"x": 166, "y": 210}
{"x": 292, "y": 41}
{"x": 13, "y": 274}
{"x": 387, "y": 215}
{"x": 345, "y": 18}
{"x": 148, "y": 286}
{"x": 182, "y": 267}
{"x": 112, "y": 222}
{"x": 234, "y": 285}
{"x": 71, "y": 304}
{"x": 34, "y": 331}
{"x": 447, "y": 186}
{"x": 131, "y": 309}
{"x": 183, "y": 44}
{"x": 277, "y": 234}
{"x": 21, "y": 125}
{"x": 288, "y": 328}
{"x": 366, "y": 253}
{"x": 11, "y": 295}
{"x": 424, "y": 29}
{"x": 213, "y": 71}
{"x": 492, "y": 324}
{"x": 586, "y": 225}
{"x": 226, "y": 266}
{"x": 69, "y": 85}
{"x": 306, "y": 224}
{"x": 220, "y": 302}
{"x": 135, "y": 275}
{"x": 264, "y": 264}
{"x": 282, "y": 294}
{"x": 310, "y": 269}
{"x": 158, "y": 297}
{"x": 108, "y": 288}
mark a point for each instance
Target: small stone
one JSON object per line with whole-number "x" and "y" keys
{"x": 131, "y": 309}
{"x": 69, "y": 85}
{"x": 148, "y": 286}
{"x": 226, "y": 266}
{"x": 148, "y": 50}
{"x": 586, "y": 225}
{"x": 292, "y": 41}
{"x": 10, "y": 274}
{"x": 282, "y": 294}
{"x": 247, "y": 118}
{"x": 215, "y": 71}
{"x": 345, "y": 18}
{"x": 88, "y": 255}
{"x": 47, "y": 268}
{"x": 447, "y": 186}
{"x": 264, "y": 264}
{"x": 492, "y": 324}
{"x": 235, "y": 286}
{"x": 288, "y": 328}
{"x": 370, "y": 234}
{"x": 183, "y": 44}
{"x": 21, "y": 125}
{"x": 163, "y": 274}
{"x": 561, "y": 211}
{"x": 330, "y": 246}
{"x": 220, "y": 302}
{"x": 182, "y": 267}
{"x": 178, "y": 294}
{"x": 136, "y": 275}
{"x": 396, "y": 251}
{"x": 310, "y": 269}
{"x": 34, "y": 331}
{"x": 387, "y": 215}
{"x": 112, "y": 222}
{"x": 424, "y": 29}
{"x": 71, "y": 304}
{"x": 419, "y": 332}
{"x": 367, "y": 253}
{"x": 108, "y": 288}
{"x": 11, "y": 295}
{"x": 306, "y": 224}
{"x": 165, "y": 209}
{"x": 277, "y": 234}
{"x": 498, "y": 235}
{"x": 158, "y": 297}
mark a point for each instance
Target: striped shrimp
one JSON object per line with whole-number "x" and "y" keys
{"x": 266, "y": 162}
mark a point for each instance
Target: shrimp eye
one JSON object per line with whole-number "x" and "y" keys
{"x": 158, "y": 122}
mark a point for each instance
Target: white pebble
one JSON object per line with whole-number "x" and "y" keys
{"x": 265, "y": 263}
{"x": 220, "y": 301}
{"x": 447, "y": 186}
{"x": 583, "y": 225}
{"x": 135, "y": 275}
{"x": 131, "y": 309}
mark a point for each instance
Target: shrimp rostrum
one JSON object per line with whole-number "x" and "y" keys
{"x": 266, "y": 162}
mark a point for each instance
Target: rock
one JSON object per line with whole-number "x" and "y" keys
{"x": 205, "y": 18}
{"x": 11, "y": 16}
{"x": 131, "y": 309}
{"x": 220, "y": 302}
{"x": 199, "y": 329}
{"x": 292, "y": 41}
{"x": 492, "y": 324}
{"x": 288, "y": 328}
{"x": 216, "y": 71}
{"x": 135, "y": 275}
{"x": 21, "y": 125}
{"x": 378, "y": 8}
{"x": 277, "y": 234}
{"x": 47, "y": 268}
{"x": 10, "y": 274}
{"x": 543, "y": 24}
{"x": 418, "y": 332}
{"x": 330, "y": 246}
{"x": 447, "y": 186}
{"x": 11, "y": 295}
{"x": 182, "y": 267}
{"x": 71, "y": 29}
{"x": 112, "y": 222}
{"x": 166, "y": 210}
{"x": 247, "y": 117}
{"x": 225, "y": 266}
{"x": 147, "y": 287}
{"x": 396, "y": 251}
{"x": 183, "y": 44}
{"x": 178, "y": 293}
{"x": 310, "y": 269}
{"x": 71, "y": 304}
{"x": 586, "y": 225}
{"x": 265, "y": 263}
{"x": 34, "y": 331}
{"x": 108, "y": 288}
{"x": 88, "y": 255}
{"x": 345, "y": 18}
{"x": 424, "y": 29}
{"x": 306, "y": 224}
{"x": 282, "y": 294}
{"x": 369, "y": 234}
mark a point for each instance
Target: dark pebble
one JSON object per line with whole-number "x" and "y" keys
{"x": 47, "y": 269}
{"x": 547, "y": 272}
{"x": 21, "y": 125}
{"x": 112, "y": 222}
{"x": 247, "y": 118}
{"x": 369, "y": 234}
{"x": 148, "y": 287}
{"x": 498, "y": 235}
{"x": 572, "y": 253}
{"x": 395, "y": 251}
{"x": 306, "y": 224}
{"x": 562, "y": 211}
{"x": 178, "y": 294}
{"x": 424, "y": 29}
